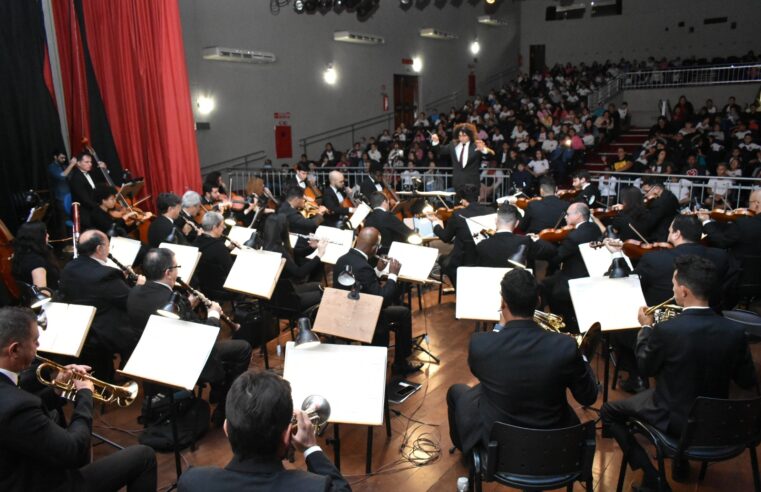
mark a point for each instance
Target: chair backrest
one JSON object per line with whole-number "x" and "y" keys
{"x": 750, "y": 276}
{"x": 539, "y": 452}
{"x": 750, "y": 321}
{"x": 719, "y": 422}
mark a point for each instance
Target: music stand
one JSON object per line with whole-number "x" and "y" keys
{"x": 125, "y": 250}
{"x": 359, "y": 215}
{"x": 255, "y": 272}
{"x": 477, "y": 224}
{"x": 131, "y": 188}
{"x": 172, "y": 353}
{"x": 187, "y": 258}
{"x": 478, "y": 294}
{"x": 340, "y": 242}
{"x": 67, "y": 328}
{"x": 351, "y": 377}
{"x": 37, "y": 213}
{"x": 597, "y": 260}
{"x": 340, "y": 316}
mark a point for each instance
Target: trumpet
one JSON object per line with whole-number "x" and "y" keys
{"x": 207, "y": 302}
{"x": 122, "y": 396}
{"x": 664, "y": 311}
{"x": 317, "y": 409}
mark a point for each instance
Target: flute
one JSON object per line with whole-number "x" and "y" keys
{"x": 207, "y": 302}
{"x": 312, "y": 237}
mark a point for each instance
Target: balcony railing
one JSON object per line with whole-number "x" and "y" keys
{"x": 682, "y": 77}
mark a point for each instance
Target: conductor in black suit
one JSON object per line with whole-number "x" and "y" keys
{"x": 495, "y": 250}
{"x": 333, "y": 197}
{"x": 695, "y": 354}
{"x": 90, "y": 281}
{"x": 163, "y": 226}
{"x": 260, "y": 430}
{"x": 457, "y": 230}
{"x": 397, "y": 318}
{"x": 549, "y": 212}
{"x": 390, "y": 227}
{"x": 37, "y": 453}
{"x": 82, "y": 182}
{"x": 503, "y": 360}
{"x": 465, "y": 153}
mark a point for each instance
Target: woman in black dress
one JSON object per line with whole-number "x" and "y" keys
{"x": 33, "y": 261}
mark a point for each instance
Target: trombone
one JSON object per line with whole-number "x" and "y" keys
{"x": 104, "y": 392}
{"x": 664, "y": 311}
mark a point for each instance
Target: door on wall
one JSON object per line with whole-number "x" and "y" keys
{"x": 536, "y": 58}
{"x": 405, "y": 99}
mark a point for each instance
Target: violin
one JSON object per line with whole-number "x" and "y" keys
{"x": 557, "y": 234}
{"x": 607, "y": 213}
{"x": 633, "y": 248}
{"x": 567, "y": 194}
{"x": 721, "y": 215}
{"x": 444, "y": 213}
{"x": 523, "y": 202}
{"x": 485, "y": 233}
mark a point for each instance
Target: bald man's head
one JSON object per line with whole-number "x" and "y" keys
{"x": 368, "y": 240}
{"x": 755, "y": 201}
{"x": 90, "y": 243}
{"x": 577, "y": 213}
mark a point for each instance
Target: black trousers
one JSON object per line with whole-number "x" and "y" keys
{"x": 454, "y": 393}
{"x": 133, "y": 467}
{"x": 399, "y": 320}
{"x": 614, "y": 416}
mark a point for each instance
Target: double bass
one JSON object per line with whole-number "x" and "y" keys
{"x": 6, "y": 256}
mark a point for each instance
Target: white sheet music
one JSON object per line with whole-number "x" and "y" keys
{"x": 125, "y": 250}
{"x": 477, "y": 224}
{"x": 598, "y": 260}
{"x": 240, "y": 235}
{"x": 613, "y": 302}
{"x": 255, "y": 272}
{"x": 187, "y": 257}
{"x": 293, "y": 238}
{"x": 172, "y": 352}
{"x": 351, "y": 377}
{"x": 417, "y": 261}
{"x": 421, "y": 225}
{"x": 67, "y": 328}
{"x": 344, "y": 238}
{"x": 359, "y": 215}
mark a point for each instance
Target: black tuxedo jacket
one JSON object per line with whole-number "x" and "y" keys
{"x": 159, "y": 230}
{"x": 38, "y": 454}
{"x": 265, "y": 475}
{"x": 336, "y": 209}
{"x": 494, "y": 251}
{"x": 695, "y": 354}
{"x": 742, "y": 237}
{"x": 502, "y": 362}
{"x": 656, "y": 269}
{"x": 368, "y": 186}
{"x": 85, "y": 281}
{"x": 81, "y": 191}
{"x": 391, "y": 228}
{"x": 464, "y": 251}
{"x": 543, "y": 214}
{"x": 660, "y": 214}
{"x": 568, "y": 254}
{"x": 213, "y": 267}
{"x": 365, "y": 275}
{"x": 470, "y": 174}
{"x": 589, "y": 195}
{"x": 297, "y": 223}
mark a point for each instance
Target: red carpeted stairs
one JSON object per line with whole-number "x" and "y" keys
{"x": 631, "y": 140}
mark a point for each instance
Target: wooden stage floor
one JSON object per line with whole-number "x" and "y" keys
{"x": 449, "y": 341}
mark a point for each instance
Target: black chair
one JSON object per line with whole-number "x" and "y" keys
{"x": 749, "y": 285}
{"x": 751, "y": 322}
{"x": 717, "y": 430}
{"x": 535, "y": 459}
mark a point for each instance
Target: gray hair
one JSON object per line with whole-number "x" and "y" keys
{"x": 191, "y": 199}
{"x": 211, "y": 220}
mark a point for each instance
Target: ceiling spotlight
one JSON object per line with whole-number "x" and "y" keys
{"x": 298, "y": 6}
{"x": 405, "y": 3}
{"x": 491, "y": 2}
{"x": 205, "y": 104}
{"x": 329, "y": 75}
{"x": 417, "y": 64}
{"x": 475, "y": 47}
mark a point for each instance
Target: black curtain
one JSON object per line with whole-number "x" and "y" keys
{"x": 29, "y": 125}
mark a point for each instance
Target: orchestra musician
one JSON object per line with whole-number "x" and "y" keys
{"x": 228, "y": 359}
{"x": 457, "y": 230}
{"x": 494, "y": 251}
{"x": 33, "y": 261}
{"x": 333, "y": 199}
{"x": 373, "y": 181}
{"x": 212, "y": 198}
{"x": 291, "y": 207}
{"x": 39, "y": 454}
{"x": 216, "y": 261}
{"x": 394, "y": 317}
{"x": 191, "y": 206}
{"x": 465, "y": 154}
{"x": 545, "y": 213}
{"x": 299, "y": 179}
{"x": 390, "y": 227}
{"x": 741, "y": 237}
{"x": 555, "y": 291}
{"x": 104, "y": 217}
{"x": 503, "y": 360}
{"x": 168, "y": 206}
{"x": 631, "y": 215}
{"x": 662, "y": 206}
{"x": 214, "y": 178}
{"x": 89, "y": 280}
{"x": 697, "y": 353}
{"x": 260, "y": 429}
{"x": 82, "y": 183}
{"x": 589, "y": 193}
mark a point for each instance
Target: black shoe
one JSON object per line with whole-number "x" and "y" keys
{"x": 406, "y": 368}
{"x": 633, "y": 385}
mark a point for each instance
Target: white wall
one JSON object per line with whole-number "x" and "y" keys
{"x": 248, "y": 95}
{"x": 641, "y": 31}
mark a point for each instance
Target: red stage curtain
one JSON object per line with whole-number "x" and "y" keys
{"x": 138, "y": 57}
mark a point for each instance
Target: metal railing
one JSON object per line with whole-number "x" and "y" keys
{"x": 382, "y": 121}
{"x": 605, "y": 93}
{"x": 455, "y": 98}
{"x": 682, "y": 77}
{"x": 501, "y": 184}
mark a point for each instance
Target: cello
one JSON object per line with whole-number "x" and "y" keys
{"x": 6, "y": 255}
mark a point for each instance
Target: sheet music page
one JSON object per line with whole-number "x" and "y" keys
{"x": 240, "y": 235}
{"x": 187, "y": 257}
{"x": 417, "y": 261}
{"x": 172, "y": 352}
{"x": 255, "y": 272}
{"x": 351, "y": 377}
{"x": 614, "y": 302}
{"x": 68, "y": 325}
{"x": 344, "y": 238}
{"x": 421, "y": 225}
{"x": 293, "y": 238}
{"x": 597, "y": 260}
{"x": 125, "y": 250}
{"x": 477, "y": 224}
{"x": 359, "y": 215}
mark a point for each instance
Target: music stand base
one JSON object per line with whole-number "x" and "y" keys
{"x": 417, "y": 344}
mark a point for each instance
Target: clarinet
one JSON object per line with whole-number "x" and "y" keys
{"x": 207, "y": 302}
{"x": 131, "y": 275}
